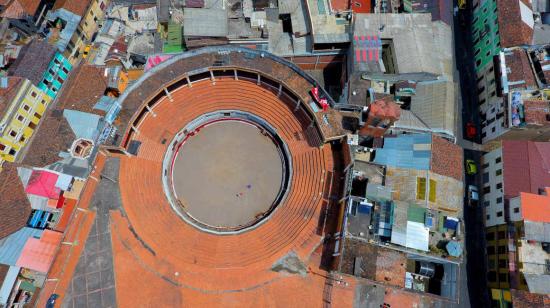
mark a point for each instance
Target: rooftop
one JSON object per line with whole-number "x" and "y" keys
{"x": 18, "y": 9}
{"x": 519, "y": 72}
{"x": 33, "y": 60}
{"x": 526, "y": 166}
{"x": 15, "y": 209}
{"x": 422, "y": 152}
{"x": 84, "y": 87}
{"x": 419, "y": 45}
{"x": 205, "y": 22}
{"x": 77, "y": 7}
{"x": 8, "y": 93}
{"x": 515, "y": 22}
{"x": 535, "y": 207}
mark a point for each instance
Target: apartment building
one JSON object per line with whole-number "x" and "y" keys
{"x": 22, "y": 106}
{"x": 496, "y": 25}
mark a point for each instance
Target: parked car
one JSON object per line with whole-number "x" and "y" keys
{"x": 473, "y": 195}
{"x": 470, "y": 130}
{"x": 471, "y": 167}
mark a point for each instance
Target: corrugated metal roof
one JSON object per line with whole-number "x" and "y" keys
{"x": 205, "y": 22}
{"x": 84, "y": 125}
{"x": 406, "y": 151}
{"x": 434, "y": 104}
{"x": 538, "y": 283}
{"x": 379, "y": 192}
{"x": 24, "y": 175}
{"x": 7, "y": 284}
{"x": 537, "y": 231}
{"x": 12, "y": 245}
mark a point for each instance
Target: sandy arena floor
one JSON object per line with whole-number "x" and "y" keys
{"x": 227, "y": 174}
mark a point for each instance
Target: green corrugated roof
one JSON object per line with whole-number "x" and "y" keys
{"x": 174, "y": 39}
{"x": 416, "y": 214}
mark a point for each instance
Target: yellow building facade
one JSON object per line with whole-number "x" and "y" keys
{"x": 87, "y": 27}
{"x": 24, "y": 106}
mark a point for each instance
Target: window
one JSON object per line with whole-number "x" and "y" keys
{"x": 485, "y": 177}
{"x": 490, "y": 236}
{"x": 502, "y": 263}
{"x": 486, "y": 203}
{"x": 498, "y": 172}
{"x": 33, "y": 94}
{"x": 13, "y": 133}
{"x": 43, "y": 102}
{"x": 486, "y": 189}
{"x": 22, "y": 139}
{"x": 499, "y": 214}
{"x": 491, "y": 250}
{"x": 499, "y": 186}
{"x": 26, "y": 107}
{"x": 420, "y": 188}
{"x": 32, "y": 125}
{"x": 493, "y": 129}
{"x": 2, "y": 147}
{"x": 501, "y": 249}
{"x": 499, "y": 200}
{"x": 37, "y": 115}
{"x": 498, "y": 160}
{"x": 13, "y": 152}
{"x": 516, "y": 210}
{"x": 20, "y": 118}
{"x": 501, "y": 235}
{"x": 485, "y": 166}
{"x": 488, "y": 217}
{"x": 65, "y": 70}
{"x": 502, "y": 277}
{"x": 492, "y": 276}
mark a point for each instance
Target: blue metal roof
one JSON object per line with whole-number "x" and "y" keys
{"x": 402, "y": 152}
{"x": 84, "y": 125}
{"x": 12, "y": 245}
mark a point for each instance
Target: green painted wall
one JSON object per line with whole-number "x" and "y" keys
{"x": 485, "y": 34}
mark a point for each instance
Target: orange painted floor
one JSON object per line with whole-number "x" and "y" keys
{"x": 160, "y": 260}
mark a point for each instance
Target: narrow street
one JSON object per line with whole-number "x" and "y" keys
{"x": 476, "y": 261}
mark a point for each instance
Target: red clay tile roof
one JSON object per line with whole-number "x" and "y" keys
{"x": 33, "y": 60}
{"x": 75, "y": 6}
{"x": 520, "y": 70}
{"x": 15, "y": 208}
{"x": 526, "y": 166}
{"x": 535, "y": 207}
{"x": 513, "y": 31}
{"x": 536, "y": 112}
{"x": 54, "y": 135}
{"x": 525, "y": 299}
{"x": 85, "y": 86}
{"x": 3, "y": 271}
{"x": 447, "y": 158}
{"x": 8, "y": 94}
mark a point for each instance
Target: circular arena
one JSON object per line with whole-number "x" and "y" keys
{"x": 229, "y": 170}
{"x": 225, "y": 169}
